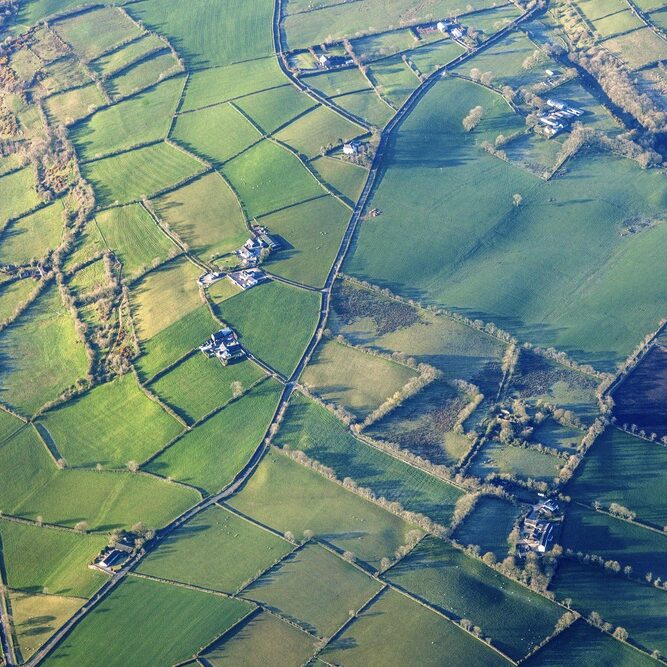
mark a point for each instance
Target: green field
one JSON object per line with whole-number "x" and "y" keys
{"x": 131, "y": 233}
{"x": 501, "y": 271}
{"x": 618, "y": 600}
{"x": 515, "y": 618}
{"x": 38, "y": 560}
{"x": 355, "y": 380}
{"x": 314, "y": 430}
{"x": 638, "y": 48}
{"x": 211, "y": 454}
{"x": 311, "y": 233}
{"x": 63, "y": 74}
{"x": 394, "y": 80}
{"x": 119, "y": 59}
{"x": 315, "y": 589}
{"x": 553, "y": 434}
{"x": 18, "y": 194}
{"x": 72, "y": 105}
{"x": 253, "y": 644}
{"x": 206, "y": 215}
{"x": 274, "y": 321}
{"x": 41, "y": 354}
{"x": 287, "y": 496}
{"x": 216, "y": 550}
{"x": 273, "y": 108}
{"x": 125, "y": 630}
{"x": 199, "y": 385}
{"x": 13, "y": 295}
{"x": 627, "y": 470}
{"x": 337, "y": 82}
{"x": 142, "y": 119}
{"x": 153, "y": 168}
{"x": 488, "y": 526}
{"x": 430, "y": 57}
{"x": 397, "y": 631}
{"x": 268, "y": 177}
{"x": 366, "y": 105}
{"x": 111, "y": 425}
{"x": 346, "y": 178}
{"x": 146, "y": 72}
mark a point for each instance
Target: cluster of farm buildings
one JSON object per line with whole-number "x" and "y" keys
{"x": 540, "y": 527}
{"x": 558, "y": 119}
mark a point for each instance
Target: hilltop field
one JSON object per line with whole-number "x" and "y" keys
{"x": 333, "y": 333}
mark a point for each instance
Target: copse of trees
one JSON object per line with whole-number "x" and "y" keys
{"x": 471, "y": 121}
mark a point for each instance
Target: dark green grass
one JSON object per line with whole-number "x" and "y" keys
{"x": 515, "y": 618}
{"x": 312, "y": 429}
{"x": 346, "y": 178}
{"x": 125, "y": 630}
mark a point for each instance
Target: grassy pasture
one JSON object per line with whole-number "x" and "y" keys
{"x": 290, "y": 586}
{"x": 423, "y": 424}
{"x": 609, "y": 17}
{"x": 18, "y": 193}
{"x": 143, "y": 118}
{"x": 288, "y": 496}
{"x": 217, "y": 133}
{"x": 489, "y": 525}
{"x": 253, "y": 644}
{"x": 10, "y": 163}
{"x": 41, "y": 354}
{"x": 124, "y": 630}
{"x": 91, "y": 33}
{"x": 119, "y": 59}
{"x": 273, "y": 108}
{"x": 313, "y": 131}
{"x": 112, "y": 424}
{"x": 268, "y": 177}
{"x": 64, "y": 74}
{"x": 146, "y": 72}
{"x": 89, "y": 244}
{"x": 597, "y": 533}
{"x": 13, "y": 294}
{"x": 164, "y": 296}
{"x": 353, "y": 379}
{"x": 36, "y": 617}
{"x": 32, "y": 236}
{"x": 206, "y": 215}
{"x": 434, "y": 55}
{"x": 91, "y": 277}
{"x": 375, "y": 47}
{"x": 581, "y": 644}
{"x": 216, "y": 550}
{"x": 627, "y": 470}
{"x": 311, "y": 233}
{"x": 394, "y": 630}
{"x": 34, "y": 487}
{"x": 153, "y": 168}
{"x": 199, "y": 385}
{"x": 221, "y": 290}
{"x": 638, "y": 48}
{"x": 314, "y": 430}
{"x": 394, "y": 79}
{"x": 533, "y": 269}
{"x": 211, "y": 33}
{"x": 515, "y": 618}
{"x": 215, "y": 451}
{"x": 175, "y": 341}
{"x": 37, "y": 559}
{"x": 220, "y": 84}
{"x": 131, "y": 233}
{"x": 553, "y": 434}
{"x": 617, "y": 599}
{"x": 495, "y": 457}
{"x": 31, "y": 12}
{"x": 274, "y": 321}
{"x": 71, "y": 105}
{"x": 493, "y": 18}
{"x": 346, "y": 178}
{"x": 44, "y": 45}
{"x": 337, "y": 82}
{"x": 367, "y": 105}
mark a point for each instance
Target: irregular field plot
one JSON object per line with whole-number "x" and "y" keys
{"x": 314, "y": 430}
{"x": 337, "y": 82}
{"x": 214, "y": 452}
{"x": 119, "y": 59}
{"x": 125, "y": 630}
{"x": 310, "y": 235}
{"x": 515, "y": 618}
{"x": 553, "y": 434}
{"x": 112, "y": 424}
{"x": 274, "y": 321}
{"x": 216, "y": 550}
{"x": 18, "y": 193}
{"x": 394, "y": 79}
{"x": 314, "y": 588}
{"x": 199, "y": 385}
{"x": 430, "y": 57}
{"x": 288, "y": 496}
{"x": 275, "y": 107}
{"x": 366, "y": 105}
{"x": 64, "y": 74}
{"x": 638, "y": 48}
{"x": 356, "y": 380}
{"x": 346, "y": 178}
{"x": 146, "y": 72}
{"x": 71, "y": 105}
{"x": 397, "y": 631}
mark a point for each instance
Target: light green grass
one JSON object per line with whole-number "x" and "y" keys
{"x": 71, "y": 105}
{"x": 91, "y": 277}
{"x": 366, "y": 105}
{"x": 124, "y": 630}
{"x": 111, "y": 425}
{"x": 274, "y": 321}
{"x": 119, "y": 59}
{"x": 32, "y": 12}
{"x": 430, "y": 57}
{"x": 515, "y": 618}
{"x": 346, "y": 178}
{"x": 314, "y": 588}
{"x": 145, "y": 73}
{"x": 273, "y": 108}
{"x": 216, "y": 550}
{"x": 18, "y": 193}
{"x": 638, "y": 48}
{"x": 337, "y": 82}
{"x": 206, "y": 215}
{"x": 311, "y": 233}
{"x": 214, "y": 452}
{"x": 383, "y": 45}
{"x": 288, "y": 496}
{"x": 153, "y": 169}
{"x": 13, "y": 295}
{"x": 63, "y": 74}
{"x": 394, "y": 80}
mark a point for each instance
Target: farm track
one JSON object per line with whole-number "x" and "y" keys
{"x": 290, "y": 383}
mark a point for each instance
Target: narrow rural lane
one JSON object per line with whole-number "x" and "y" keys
{"x": 281, "y": 408}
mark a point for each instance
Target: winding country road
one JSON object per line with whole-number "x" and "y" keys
{"x": 343, "y": 250}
